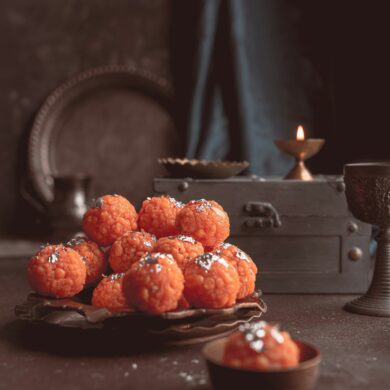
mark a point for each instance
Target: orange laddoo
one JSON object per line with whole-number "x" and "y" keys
{"x": 94, "y": 258}
{"x": 182, "y": 248}
{"x": 56, "y": 271}
{"x": 110, "y": 217}
{"x": 109, "y": 293}
{"x": 210, "y": 282}
{"x": 260, "y": 346}
{"x": 158, "y": 215}
{"x": 244, "y": 265}
{"x": 204, "y": 220}
{"x": 129, "y": 248}
{"x": 154, "y": 284}
{"x": 183, "y": 303}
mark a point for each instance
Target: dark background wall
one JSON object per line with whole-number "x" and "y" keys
{"x": 347, "y": 42}
{"x": 43, "y": 42}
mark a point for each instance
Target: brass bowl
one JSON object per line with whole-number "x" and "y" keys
{"x": 302, "y": 377}
{"x": 203, "y": 169}
{"x": 301, "y": 149}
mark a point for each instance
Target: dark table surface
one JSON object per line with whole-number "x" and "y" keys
{"x": 356, "y": 349}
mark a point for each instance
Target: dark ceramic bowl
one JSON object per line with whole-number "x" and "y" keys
{"x": 302, "y": 377}
{"x": 203, "y": 169}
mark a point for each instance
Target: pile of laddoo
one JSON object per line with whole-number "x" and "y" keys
{"x": 167, "y": 256}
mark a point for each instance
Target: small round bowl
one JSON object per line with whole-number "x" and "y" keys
{"x": 302, "y": 377}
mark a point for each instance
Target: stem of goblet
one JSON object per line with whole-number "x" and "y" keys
{"x": 380, "y": 285}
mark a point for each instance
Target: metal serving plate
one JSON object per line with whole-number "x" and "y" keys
{"x": 203, "y": 169}
{"x": 177, "y": 327}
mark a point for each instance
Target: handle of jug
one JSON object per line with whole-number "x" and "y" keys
{"x": 30, "y": 198}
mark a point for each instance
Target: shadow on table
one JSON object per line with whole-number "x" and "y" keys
{"x": 77, "y": 342}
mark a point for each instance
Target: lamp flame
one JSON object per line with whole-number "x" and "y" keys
{"x": 300, "y": 133}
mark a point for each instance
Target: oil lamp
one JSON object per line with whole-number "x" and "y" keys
{"x": 301, "y": 149}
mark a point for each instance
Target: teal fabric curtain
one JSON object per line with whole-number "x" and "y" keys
{"x": 241, "y": 80}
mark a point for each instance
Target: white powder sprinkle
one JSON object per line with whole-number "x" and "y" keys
{"x": 206, "y": 261}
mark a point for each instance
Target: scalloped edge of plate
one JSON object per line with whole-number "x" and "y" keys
{"x": 202, "y": 169}
{"x": 204, "y": 163}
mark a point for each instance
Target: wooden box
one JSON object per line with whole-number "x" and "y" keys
{"x": 301, "y": 234}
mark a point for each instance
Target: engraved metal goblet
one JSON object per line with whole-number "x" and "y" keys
{"x": 368, "y": 196}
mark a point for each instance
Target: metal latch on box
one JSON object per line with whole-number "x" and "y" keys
{"x": 265, "y": 215}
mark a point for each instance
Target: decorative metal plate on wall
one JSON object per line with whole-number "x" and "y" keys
{"x": 112, "y": 122}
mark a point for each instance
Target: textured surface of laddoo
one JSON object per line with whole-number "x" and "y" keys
{"x": 94, "y": 258}
{"x": 56, "y": 271}
{"x": 154, "y": 284}
{"x": 244, "y": 265}
{"x": 109, "y": 293}
{"x": 158, "y": 216}
{"x": 183, "y": 303}
{"x": 260, "y": 346}
{"x": 210, "y": 282}
{"x": 206, "y": 221}
{"x": 110, "y": 217}
{"x": 182, "y": 248}
{"x": 129, "y": 248}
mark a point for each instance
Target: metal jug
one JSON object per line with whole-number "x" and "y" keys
{"x": 70, "y": 201}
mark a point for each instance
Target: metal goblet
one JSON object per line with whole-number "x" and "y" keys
{"x": 368, "y": 196}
